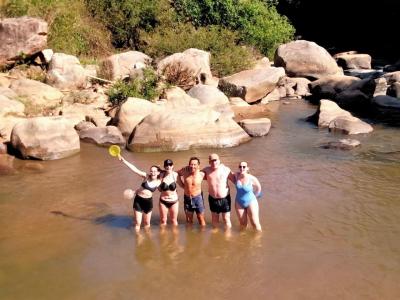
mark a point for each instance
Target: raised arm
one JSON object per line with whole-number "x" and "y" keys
{"x": 132, "y": 167}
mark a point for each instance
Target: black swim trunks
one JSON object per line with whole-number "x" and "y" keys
{"x": 194, "y": 204}
{"x": 144, "y": 205}
{"x": 220, "y": 205}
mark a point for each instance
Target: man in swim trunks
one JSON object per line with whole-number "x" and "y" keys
{"x": 217, "y": 176}
{"x": 192, "y": 177}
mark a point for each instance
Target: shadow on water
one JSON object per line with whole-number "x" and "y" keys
{"x": 109, "y": 220}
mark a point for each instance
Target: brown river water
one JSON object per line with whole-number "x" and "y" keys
{"x": 331, "y": 224}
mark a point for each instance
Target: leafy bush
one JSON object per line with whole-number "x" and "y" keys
{"x": 258, "y": 22}
{"x": 141, "y": 87}
{"x": 227, "y": 55}
{"x": 126, "y": 19}
{"x": 263, "y": 27}
{"x": 71, "y": 29}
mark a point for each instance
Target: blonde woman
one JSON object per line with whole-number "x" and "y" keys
{"x": 248, "y": 188}
{"x": 143, "y": 202}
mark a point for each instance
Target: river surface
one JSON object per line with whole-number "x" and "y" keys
{"x": 330, "y": 218}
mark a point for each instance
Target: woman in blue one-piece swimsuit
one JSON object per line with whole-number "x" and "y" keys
{"x": 247, "y": 189}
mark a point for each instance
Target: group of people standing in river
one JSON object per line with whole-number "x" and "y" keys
{"x": 190, "y": 178}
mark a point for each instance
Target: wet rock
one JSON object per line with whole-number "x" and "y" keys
{"x": 256, "y": 127}
{"x": 343, "y": 144}
{"x": 109, "y": 135}
{"x": 45, "y": 138}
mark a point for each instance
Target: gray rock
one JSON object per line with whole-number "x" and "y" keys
{"x": 343, "y": 144}
{"x": 256, "y": 127}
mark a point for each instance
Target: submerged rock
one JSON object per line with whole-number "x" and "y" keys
{"x": 343, "y": 144}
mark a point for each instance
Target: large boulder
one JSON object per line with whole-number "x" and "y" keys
{"x": 305, "y": 59}
{"x": 37, "y": 93}
{"x": 132, "y": 112}
{"x": 349, "y": 92}
{"x": 177, "y": 97}
{"x": 208, "y": 95}
{"x": 66, "y": 72}
{"x": 353, "y": 60}
{"x": 78, "y": 112}
{"x": 387, "y": 102}
{"x": 9, "y": 93}
{"x": 330, "y": 115}
{"x": 8, "y": 106}
{"x": 109, "y": 135}
{"x": 7, "y": 123}
{"x": 186, "y": 128}
{"x": 186, "y": 68}
{"x": 350, "y": 125}
{"x": 21, "y": 37}
{"x": 120, "y": 65}
{"x": 45, "y": 138}
{"x": 251, "y": 85}
{"x": 327, "y": 112}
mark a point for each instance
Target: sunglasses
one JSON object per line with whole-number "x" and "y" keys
{"x": 168, "y": 165}
{"x": 213, "y": 160}
{"x": 242, "y": 167}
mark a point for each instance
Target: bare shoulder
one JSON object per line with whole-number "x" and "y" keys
{"x": 254, "y": 178}
{"x": 227, "y": 169}
{"x": 206, "y": 170}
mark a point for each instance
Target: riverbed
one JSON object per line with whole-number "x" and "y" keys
{"x": 330, "y": 223}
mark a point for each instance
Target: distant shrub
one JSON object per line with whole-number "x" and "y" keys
{"x": 141, "y": 87}
{"x": 227, "y": 55}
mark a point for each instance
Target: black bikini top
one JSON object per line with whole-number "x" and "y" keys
{"x": 146, "y": 186}
{"x": 168, "y": 187}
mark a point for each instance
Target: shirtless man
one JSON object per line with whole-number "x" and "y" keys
{"x": 217, "y": 176}
{"x": 193, "y": 197}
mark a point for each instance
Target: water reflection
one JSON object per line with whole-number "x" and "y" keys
{"x": 330, "y": 221}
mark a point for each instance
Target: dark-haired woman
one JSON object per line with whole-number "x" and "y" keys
{"x": 143, "y": 202}
{"x": 169, "y": 204}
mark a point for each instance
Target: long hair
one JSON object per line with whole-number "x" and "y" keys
{"x": 158, "y": 169}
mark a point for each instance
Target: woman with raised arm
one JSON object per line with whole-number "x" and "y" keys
{"x": 248, "y": 188}
{"x": 143, "y": 202}
{"x": 169, "y": 204}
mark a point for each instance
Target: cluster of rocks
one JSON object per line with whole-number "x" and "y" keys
{"x": 46, "y": 120}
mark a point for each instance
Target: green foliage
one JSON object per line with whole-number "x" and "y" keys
{"x": 126, "y": 19}
{"x": 227, "y": 56}
{"x": 258, "y": 22}
{"x": 141, "y": 87}
{"x": 263, "y": 27}
{"x": 71, "y": 29}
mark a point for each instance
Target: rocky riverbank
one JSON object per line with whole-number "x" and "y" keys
{"x": 54, "y": 102}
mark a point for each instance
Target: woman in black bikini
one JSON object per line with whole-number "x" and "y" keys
{"x": 169, "y": 197}
{"x": 143, "y": 202}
